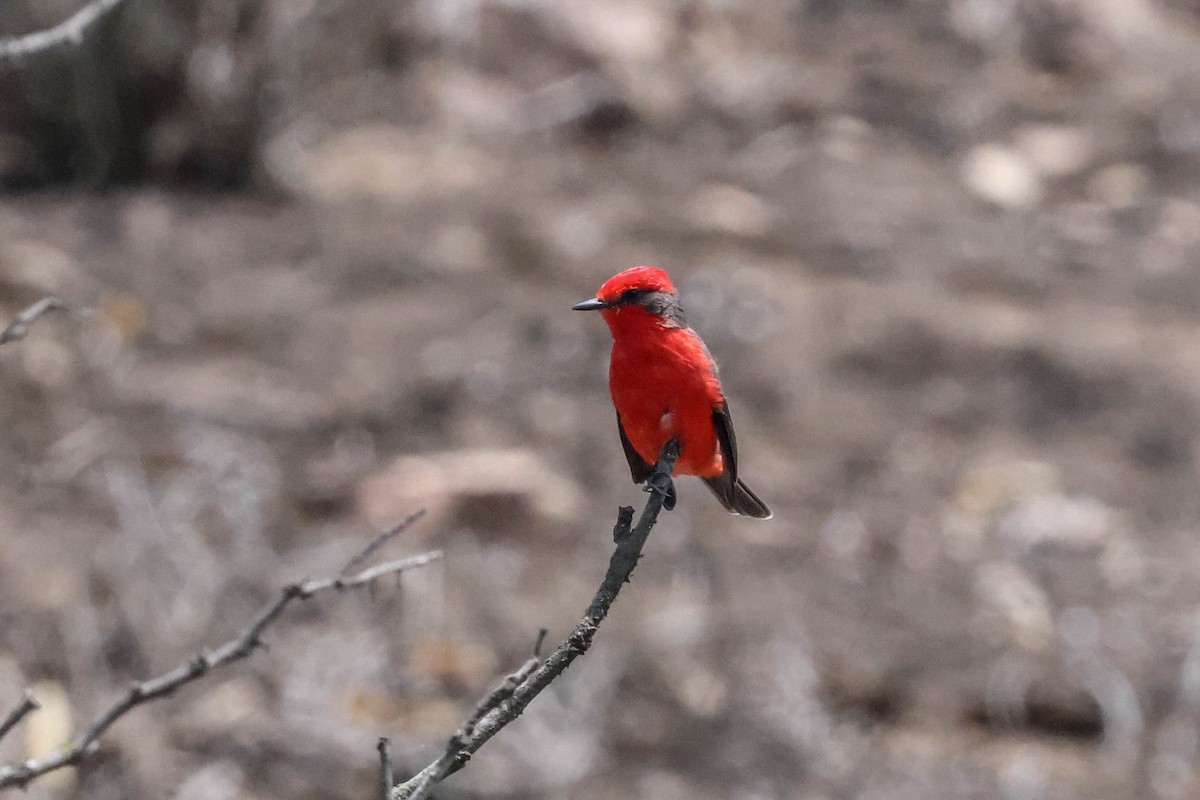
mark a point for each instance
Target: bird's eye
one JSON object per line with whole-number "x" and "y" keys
{"x": 629, "y": 295}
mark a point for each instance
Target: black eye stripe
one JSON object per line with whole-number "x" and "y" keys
{"x": 663, "y": 304}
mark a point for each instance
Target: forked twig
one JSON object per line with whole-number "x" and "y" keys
{"x": 201, "y": 664}
{"x": 385, "y": 768}
{"x": 28, "y": 705}
{"x": 19, "y": 328}
{"x": 69, "y": 31}
{"x": 506, "y": 703}
{"x": 379, "y": 541}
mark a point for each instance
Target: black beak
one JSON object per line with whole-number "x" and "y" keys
{"x": 595, "y": 304}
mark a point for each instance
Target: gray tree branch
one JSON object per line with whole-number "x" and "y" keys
{"x": 237, "y": 648}
{"x": 385, "y": 768}
{"x": 19, "y": 328}
{"x": 69, "y": 31}
{"x": 379, "y": 541}
{"x": 506, "y": 703}
{"x": 28, "y": 705}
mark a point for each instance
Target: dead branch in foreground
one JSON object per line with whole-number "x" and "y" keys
{"x": 28, "y": 705}
{"x": 507, "y": 702}
{"x": 237, "y": 648}
{"x": 69, "y": 31}
{"x": 19, "y": 328}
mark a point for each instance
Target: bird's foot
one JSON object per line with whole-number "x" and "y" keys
{"x": 662, "y": 484}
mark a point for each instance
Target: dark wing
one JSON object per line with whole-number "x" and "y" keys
{"x": 723, "y": 427}
{"x": 638, "y": 467}
{"x": 733, "y": 494}
{"x": 724, "y": 486}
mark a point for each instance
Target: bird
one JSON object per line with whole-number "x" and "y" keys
{"x": 664, "y": 385}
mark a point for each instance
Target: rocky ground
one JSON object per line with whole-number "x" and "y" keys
{"x": 944, "y": 251}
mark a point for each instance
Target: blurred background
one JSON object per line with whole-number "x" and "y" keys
{"x": 944, "y": 250}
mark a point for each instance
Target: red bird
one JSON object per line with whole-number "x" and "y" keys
{"x": 664, "y": 385}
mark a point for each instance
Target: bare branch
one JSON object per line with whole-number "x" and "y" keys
{"x": 501, "y": 693}
{"x": 69, "y": 31}
{"x": 380, "y": 541}
{"x": 29, "y": 703}
{"x": 541, "y": 640}
{"x": 507, "y": 702}
{"x": 385, "y": 769}
{"x": 19, "y": 327}
{"x": 198, "y": 666}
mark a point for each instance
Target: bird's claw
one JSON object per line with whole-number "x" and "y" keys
{"x": 663, "y": 485}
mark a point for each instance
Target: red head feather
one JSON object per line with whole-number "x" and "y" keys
{"x": 650, "y": 279}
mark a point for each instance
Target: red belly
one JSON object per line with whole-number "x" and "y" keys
{"x": 660, "y": 395}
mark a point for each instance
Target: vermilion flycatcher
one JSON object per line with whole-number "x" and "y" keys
{"x": 664, "y": 385}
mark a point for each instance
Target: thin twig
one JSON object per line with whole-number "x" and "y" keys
{"x": 199, "y": 665}
{"x": 505, "y": 704}
{"x": 499, "y": 695}
{"x": 380, "y": 541}
{"x": 385, "y": 769}
{"x": 541, "y": 640}
{"x": 19, "y": 327}
{"x": 69, "y": 31}
{"x": 28, "y": 705}
{"x": 503, "y": 691}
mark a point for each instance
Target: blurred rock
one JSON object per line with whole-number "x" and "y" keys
{"x": 1179, "y": 223}
{"x": 1087, "y": 223}
{"x": 495, "y": 492}
{"x": 480, "y": 103}
{"x": 1048, "y": 34}
{"x": 983, "y": 22}
{"x": 1020, "y": 601}
{"x": 587, "y": 103}
{"x": 702, "y": 691}
{"x": 985, "y": 489}
{"x": 374, "y": 353}
{"x": 234, "y": 390}
{"x": 457, "y": 666}
{"x": 1002, "y": 176}
{"x": 730, "y": 209}
{"x": 845, "y": 535}
{"x": 248, "y": 300}
{"x": 233, "y": 704}
{"x": 1171, "y": 247}
{"x": 1070, "y": 522}
{"x": 47, "y": 363}
{"x": 53, "y": 587}
{"x": 123, "y": 314}
{"x": 223, "y": 780}
{"x": 663, "y": 785}
{"x": 42, "y": 268}
{"x": 1056, "y": 151}
{"x": 1120, "y": 186}
{"x": 748, "y": 86}
{"x": 844, "y": 137}
{"x": 458, "y": 248}
{"x": 621, "y": 31}
{"x": 380, "y": 163}
{"x": 429, "y": 719}
{"x": 330, "y": 476}
{"x": 1179, "y": 125}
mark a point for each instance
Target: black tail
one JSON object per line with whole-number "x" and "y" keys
{"x": 738, "y": 499}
